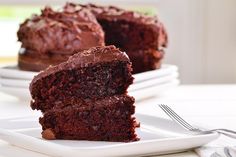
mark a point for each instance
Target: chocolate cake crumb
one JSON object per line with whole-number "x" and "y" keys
{"x": 48, "y": 134}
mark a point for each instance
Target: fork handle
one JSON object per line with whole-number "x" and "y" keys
{"x": 226, "y": 132}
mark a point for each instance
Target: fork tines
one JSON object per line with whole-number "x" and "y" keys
{"x": 174, "y": 116}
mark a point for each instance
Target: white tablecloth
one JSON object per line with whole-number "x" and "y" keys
{"x": 210, "y": 106}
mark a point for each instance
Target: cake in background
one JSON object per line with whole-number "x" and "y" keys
{"x": 85, "y": 98}
{"x": 53, "y": 36}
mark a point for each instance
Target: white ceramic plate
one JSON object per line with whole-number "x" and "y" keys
{"x": 21, "y": 93}
{"x": 153, "y": 90}
{"x": 153, "y": 82}
{"x": 145, "y": 92}
{"x": 163, "y": 71}
{"x": 158, "y": 136}
{"x": 13, "y": 72}
{"x": 11, "y": 82}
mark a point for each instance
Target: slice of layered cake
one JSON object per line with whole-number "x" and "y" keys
{"x": 86, "y": 97}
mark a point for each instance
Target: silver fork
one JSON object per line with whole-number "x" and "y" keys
{"x": 175, "y": 117}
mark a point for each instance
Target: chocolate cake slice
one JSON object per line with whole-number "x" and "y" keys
{"x": 86, "y": 97}
{"x": 91, "y": 74}
{"x": 107, "y": 119}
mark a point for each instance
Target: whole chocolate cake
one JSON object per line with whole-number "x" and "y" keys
{"x": 53, "y": 36}
{"x": 86, "y": 97}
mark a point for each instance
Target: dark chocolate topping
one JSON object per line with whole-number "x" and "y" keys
{"x": 61, "y": 32}
{"x": 97, "y": 54}
{"x": 112, "y": 13}
{"x": 84, "y": 59}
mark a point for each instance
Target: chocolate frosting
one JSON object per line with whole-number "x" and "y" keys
{"x": 112, "y": 13}
{"x": 61, "y": 32}
{"x": 84, "y": 59}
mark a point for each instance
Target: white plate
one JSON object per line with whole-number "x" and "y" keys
{"x": 158, "y": 136}
{"x": 21, "y": 93}
{"x": 13, "y": 72}
{"x": 149, "y": 91}
{"x": 153, "y": 82}
{"x": 163, "y": 71}
{"x": 153, "y": 90}
{"x": 11, "y": 82}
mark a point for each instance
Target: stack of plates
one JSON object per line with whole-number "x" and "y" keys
{"x": 147, "y": 84}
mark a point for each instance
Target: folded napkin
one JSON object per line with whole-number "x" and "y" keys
{"x": 222, "y": 147}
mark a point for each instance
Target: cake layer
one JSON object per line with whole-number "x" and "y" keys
{"x": 108, "y": 119}
{"x": 61, "y": 32}
{"x": 31, "y": 61}
{"x": 92, "y": 74}
{"x": 145, "y": 60}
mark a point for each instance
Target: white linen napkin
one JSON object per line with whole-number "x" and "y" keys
{"x": 222, "y": 147}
